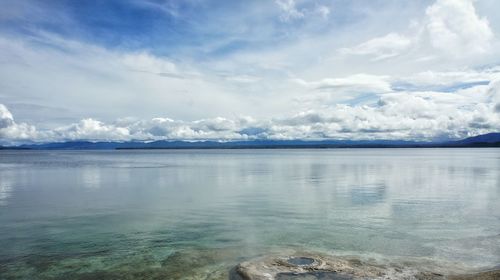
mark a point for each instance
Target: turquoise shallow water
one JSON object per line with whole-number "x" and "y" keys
{"x": 193, "y": 214}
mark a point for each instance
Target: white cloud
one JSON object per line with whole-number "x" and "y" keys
{"x": 242, "y": 78}
{"x": 12, "y": 131}
{"x": 294, "y": 79}
{"x": 323, "y": 11}
{"x": 353, "y": 83}
{"x": 454, "y": 27}
{"x": 92, "y": 130}
{"x": 6, "y": 118}
{"x": 88, "y": 80}
{"x": 145, "y": 62}
{"x": 330, "y": 91}
{"x": 434, "y": 78}
{"x": 494, "y": 96}
{"x": 450, "y": 28}
{"x": 417, "y": 115}
{"x": 387, "y": 46}
{"x": 289, "y": 10}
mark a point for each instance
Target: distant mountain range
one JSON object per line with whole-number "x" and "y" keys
{"x": 485, "y": 140}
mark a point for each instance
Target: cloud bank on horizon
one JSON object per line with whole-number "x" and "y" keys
{"x": 285, "y": 69}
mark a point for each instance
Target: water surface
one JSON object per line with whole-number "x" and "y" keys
{"x": 193, "y": 214}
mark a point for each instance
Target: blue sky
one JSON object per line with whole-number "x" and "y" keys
{"x": 224, "y": 70}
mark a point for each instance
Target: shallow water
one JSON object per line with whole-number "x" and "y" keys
{"x": 313, "y": 275}
{"x": 193, "y": 214}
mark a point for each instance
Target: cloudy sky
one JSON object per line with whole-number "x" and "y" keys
{"x": 264, "y": 69}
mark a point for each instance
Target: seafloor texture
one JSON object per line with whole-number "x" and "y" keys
{"x": 310, "y": 266}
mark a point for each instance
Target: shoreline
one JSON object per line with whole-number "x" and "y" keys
{"x": 309, "y": 265}
{"x": 493, "y": 274}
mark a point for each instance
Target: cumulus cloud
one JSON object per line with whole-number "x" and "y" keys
{"x": 450, "y": 28}
{"x": 6, "y": 118}
{"x": 296, "y": 80}
{"x": 423, "y": 115}
{"x": 93, "y": 130}
{"x": 454, "y": 27}
{"x": 12, "y": 131}
{"x": 401, "y": 115}
{"x": 494, "y": 95}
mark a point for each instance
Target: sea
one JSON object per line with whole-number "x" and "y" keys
{"x": 195, "y": 214}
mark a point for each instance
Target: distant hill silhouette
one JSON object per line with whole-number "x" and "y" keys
{"x": 489, "y": 138}
{"x": 485, "y": 140}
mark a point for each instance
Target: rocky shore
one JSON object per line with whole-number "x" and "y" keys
{"x": 312, "y": 266}
{"x": 488, "y": 275}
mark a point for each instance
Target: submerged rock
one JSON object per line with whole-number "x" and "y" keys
{"x": 313, "y": 275}
{"x": 488, "y": 275}
{"x": 310, "y": 266}
{"x": 305, "y": 266}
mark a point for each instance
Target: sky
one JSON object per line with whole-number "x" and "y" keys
{"x": 121, "y": 70}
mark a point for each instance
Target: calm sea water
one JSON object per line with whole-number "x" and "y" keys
{"x": 196, "y": 213}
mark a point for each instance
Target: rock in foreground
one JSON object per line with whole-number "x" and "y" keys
{"x": 319, "y": 266}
